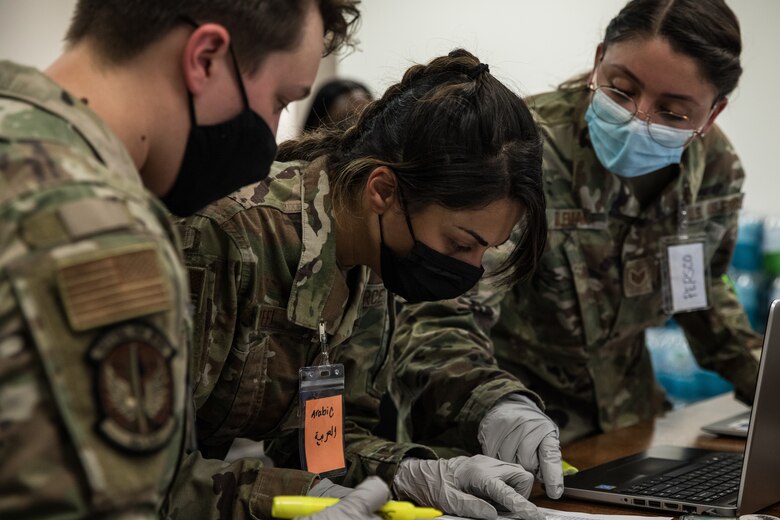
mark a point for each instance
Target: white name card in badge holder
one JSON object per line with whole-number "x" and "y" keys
{"x": 685, "y": 274}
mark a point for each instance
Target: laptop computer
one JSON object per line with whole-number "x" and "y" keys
{"x": 700, "y": 481}
{"x": 734, "y": 426}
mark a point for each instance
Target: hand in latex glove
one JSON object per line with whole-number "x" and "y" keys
{"x": 467, "y": 486}
{"x": 326, "y": 488}
{"x": 359, "y": 504}
{"x": 516, "y": 430}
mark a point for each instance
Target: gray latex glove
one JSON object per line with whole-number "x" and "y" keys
{"x": 516, "y": 430}
{"x": 467, "y": 486}
{"x": 326, "y": 488}
{"x": 359, "y": 504}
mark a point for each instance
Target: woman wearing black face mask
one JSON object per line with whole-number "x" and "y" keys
{"x": 634, "y": 170}
{"x": 407, "y": 197}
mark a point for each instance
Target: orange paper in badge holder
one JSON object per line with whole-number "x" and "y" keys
{"x": 323, "y": 435}
{"x": 321, "y": 411}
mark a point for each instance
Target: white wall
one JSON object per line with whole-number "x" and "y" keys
{"x": 530, "y": 44}
{"x": 535, "y": 44}
{"x": 32, "y": 31}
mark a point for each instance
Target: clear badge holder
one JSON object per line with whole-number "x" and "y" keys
{"x": 321, "y": 433}
{"x": 685, "y": 272}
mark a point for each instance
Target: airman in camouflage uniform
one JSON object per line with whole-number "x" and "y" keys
{"x": 267, "y": 268}
{"x": 263, "y": 272}
{"x": 93, "y": 315}
{"x": 574, "y": 334}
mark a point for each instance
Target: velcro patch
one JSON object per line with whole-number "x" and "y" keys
{"x": 44, "y": 229}
{"x": 197, "y": 277}
{"x": 135, "y": 387}
{"x": 709, "y": 208}
{"x": 375, "y": 295}
{"x": 103, "y": 287}
{"x": 575, "y": 219}
{"x": 638, "y": 277}
{"x": 86, "y": 217}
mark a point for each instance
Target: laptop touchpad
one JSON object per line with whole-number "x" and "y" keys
{"x": 643, "y": 468}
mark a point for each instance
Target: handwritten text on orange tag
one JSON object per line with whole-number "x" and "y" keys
{"x": 324, "y": 440}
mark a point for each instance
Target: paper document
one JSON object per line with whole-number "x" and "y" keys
{"x": 554, "y": 514}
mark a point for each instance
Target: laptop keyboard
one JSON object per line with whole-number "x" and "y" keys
{"x": 705, "y": 481}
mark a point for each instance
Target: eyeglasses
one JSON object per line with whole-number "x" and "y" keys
{"x": 615, "y": 107}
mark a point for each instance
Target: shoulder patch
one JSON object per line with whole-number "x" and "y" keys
{"x": 86, "y": 217}
{"x": 102, "y": 287}
{"x": 134, "y": 385}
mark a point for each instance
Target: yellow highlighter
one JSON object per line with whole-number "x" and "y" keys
{"x": 292, "y": 506}
{"x": 568, "y": 469}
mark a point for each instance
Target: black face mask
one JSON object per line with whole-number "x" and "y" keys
{"x": 221, "y": 158}
{"x": 425, "y": 275}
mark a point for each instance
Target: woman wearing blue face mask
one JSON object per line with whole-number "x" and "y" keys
{"x": 643, "y": 193}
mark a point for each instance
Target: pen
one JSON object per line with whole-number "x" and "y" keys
{"x": 292, "y": 506}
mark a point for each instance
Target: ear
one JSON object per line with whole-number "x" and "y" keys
{"x": 716, "y": 110}
{"x": 380, "y": 189}
{"x": 596, "y": 60}
{"x": 206, "y": 45}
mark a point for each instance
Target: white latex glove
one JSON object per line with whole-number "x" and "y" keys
{"x": 516, "y": 430}
{"x": 467, "y": 486}
{"x": 361, "y": 503}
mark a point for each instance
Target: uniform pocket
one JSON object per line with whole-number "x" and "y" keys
{"x": 258, "y": 382}
{"x": 368, "y": 348}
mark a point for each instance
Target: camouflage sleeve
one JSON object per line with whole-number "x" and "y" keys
{"x": 445, "y": 375}
{"x": 721, "y": 337}
{"x": 366, "y": 359}
{"x": 93, "y": 348}
{"x": 216, "y": 271}
{"x": 239, "y": 490}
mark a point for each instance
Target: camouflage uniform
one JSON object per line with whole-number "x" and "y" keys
{"x": 93, "y": 315}
{"x": 263, "y": 271}
{"x": 574, "y": 334}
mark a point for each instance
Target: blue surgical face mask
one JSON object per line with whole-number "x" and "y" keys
{"x": 628, "y": 150}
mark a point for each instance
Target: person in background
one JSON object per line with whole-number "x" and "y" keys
{"x": 635, "y": 170}
{"x": 406, "y": 198}
{"x": 172, "y": 101}
{"x": 335, "y": 101}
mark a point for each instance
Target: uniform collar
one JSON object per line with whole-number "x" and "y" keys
{"x": 320, "y": 289}
{"x": 32, "y": 86}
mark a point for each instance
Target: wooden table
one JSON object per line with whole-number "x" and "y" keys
{"x": 678, "y": 428}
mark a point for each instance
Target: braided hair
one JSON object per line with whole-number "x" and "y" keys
{"x": 454, "y": 136}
